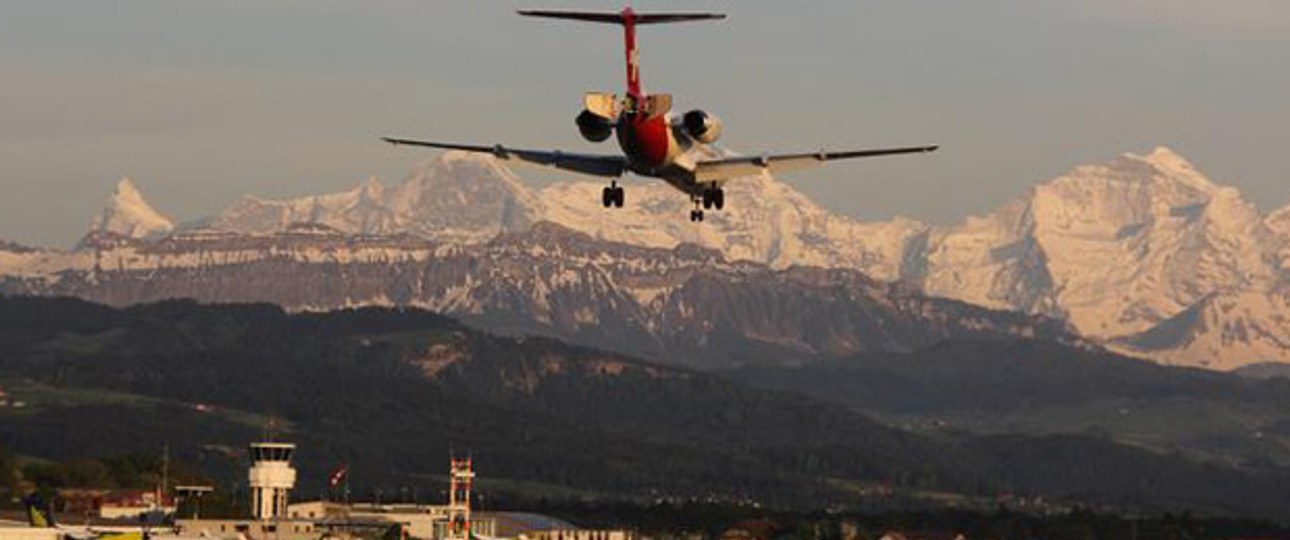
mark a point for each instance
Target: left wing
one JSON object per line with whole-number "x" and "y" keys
{"x": 595, "y": 165}
{"x": 721, "y": 169}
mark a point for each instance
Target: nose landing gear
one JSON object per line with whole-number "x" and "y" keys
{"x": 612, "y": 196}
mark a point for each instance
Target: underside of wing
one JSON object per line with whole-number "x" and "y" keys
{"x": 595, "y": 165}
{"x": 721, "y": 169}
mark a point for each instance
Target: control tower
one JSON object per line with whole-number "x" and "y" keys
{"x": 271, "y": 478}
{"x": 463, "y": 480}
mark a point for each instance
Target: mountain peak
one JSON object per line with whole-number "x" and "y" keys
{"x": 465, "y": 198}
{"x": 125, "y": 189}
{"x": 1167, "y": 160}
{"x": 1167, "y": 157}
{"x": 1163, "y": 163}
{"x": 371, "y": 190}
{"x": 127, "y": 213}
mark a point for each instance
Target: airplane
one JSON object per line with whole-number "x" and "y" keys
{"x": 654, "y": 142}
{"x": 40, "y": 516}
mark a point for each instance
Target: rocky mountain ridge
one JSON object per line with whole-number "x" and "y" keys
{"x": 686, "y": 305}
{"x": 1143, "y": 253}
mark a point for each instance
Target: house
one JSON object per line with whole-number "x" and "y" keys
{"x": 126, "y": 504}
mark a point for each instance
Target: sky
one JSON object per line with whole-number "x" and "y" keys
{"x": 203, "y": 101}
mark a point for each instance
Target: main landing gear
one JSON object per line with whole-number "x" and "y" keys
{"x": 613, "y": 196}
{"x": 709, "y": 198}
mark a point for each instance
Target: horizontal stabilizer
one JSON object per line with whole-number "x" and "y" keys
{"x": 620, "y": 18}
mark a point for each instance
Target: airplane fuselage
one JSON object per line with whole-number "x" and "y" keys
{"x": 655, "y": 148}
{"x": 647, "y": 142}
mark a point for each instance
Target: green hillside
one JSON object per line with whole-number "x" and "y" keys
{"x": 1043, "y": 388}
{"x": 392, "y": 392}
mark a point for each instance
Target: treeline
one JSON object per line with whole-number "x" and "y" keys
{"x": 23, "y": 478}
{"x": 349, "y": 391}
{"x": 122, "y": 472}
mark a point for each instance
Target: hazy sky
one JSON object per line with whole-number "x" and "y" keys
{"x": 202, "y": 101}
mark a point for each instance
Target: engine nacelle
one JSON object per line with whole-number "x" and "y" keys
{"x": 594, "y": 128}
{"x": 701, "y": 126}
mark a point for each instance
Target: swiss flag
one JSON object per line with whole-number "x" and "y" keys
{"x": 338, "y": 475}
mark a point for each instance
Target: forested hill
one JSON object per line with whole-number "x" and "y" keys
{"x": 391, "y": 392}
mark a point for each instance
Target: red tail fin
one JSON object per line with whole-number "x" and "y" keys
{"x": 628, "y": 19}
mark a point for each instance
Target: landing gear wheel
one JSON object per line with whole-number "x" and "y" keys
{"x": 613, "y": 196}
{"x": 696, "y": 215}
{"x": 714, "y": 198}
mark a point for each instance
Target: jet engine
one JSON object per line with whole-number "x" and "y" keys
{"x": 701, "y": 126}
{"x": 594, "y": 128}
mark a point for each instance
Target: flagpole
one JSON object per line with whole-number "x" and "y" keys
{"x": 334, "y": 481}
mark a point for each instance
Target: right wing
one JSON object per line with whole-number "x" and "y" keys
{"x": 595, "y": 165}
{"x": 721, "y": 169}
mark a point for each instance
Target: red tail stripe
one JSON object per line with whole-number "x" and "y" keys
{"x": 633, "y": 54}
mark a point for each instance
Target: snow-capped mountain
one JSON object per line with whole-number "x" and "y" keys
{"x": 1279, "y": 223}
{"x": 358, "y": 211}
{"x": 1222, "y": 331}
{"x": 1143, "y": 253}
{"x": 461, "y": 198}
{"x": 771, "y": 224}
{"x": 1116, "y": 248}
{"x": 126, "y": 213}
{"x": 464, "y": 198}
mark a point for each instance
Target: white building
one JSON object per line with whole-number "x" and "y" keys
{"x": 580, "y": 534}
{"x": 283, "y": 529}
{"x": 426, "y": 521}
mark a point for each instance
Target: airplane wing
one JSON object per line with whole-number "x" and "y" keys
{"x": 720, "y": 169}
{"x": 595, "y": 165}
